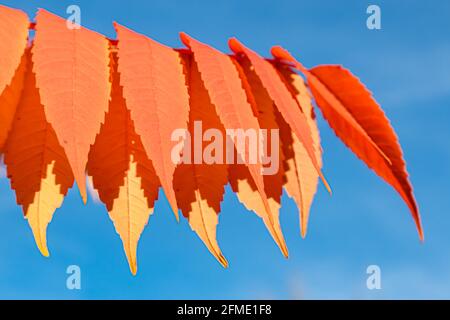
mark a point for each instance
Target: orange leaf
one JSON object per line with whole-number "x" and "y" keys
{"x": 155, "y": 90}
{"x": 360, "y": 123}
{"x": 122, "y": 174}
{"x": 301, "y": 177}
{"x": 283, "y": 100}
{"x": 239, "y": 176}
{"x": 225, "y": 88}
{"x": 14, "y": 34}
{"x": 72, "y": 75}
{"x": 9, "y": 99}
{"x": 36, "y": 163}
{"x": 200, "y": 187}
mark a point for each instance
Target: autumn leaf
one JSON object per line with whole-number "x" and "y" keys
{"x": 360, "y": 123}
{"x": 301, "y": 178}
{"x": 283, "y": 100}
{"x": 36, "y": 163}
{"x": 72, "y": 100}
{"x": 239, "y": 175}
{"x": 72, "y": 75}
{"x": 9, "y": 99}
{"x": 14, "y": 35}
{"x": 122, "y": 173}
{"x": 200, "y": 187}
{"x": 155, "y": 90}
{"x": 221, "y": 79}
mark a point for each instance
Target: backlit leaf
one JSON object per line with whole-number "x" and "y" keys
{"x": 13, "y": 35}
{"x": 154, "y": 87}
{"x": 239, "y": 176}
{"x": 36, "y": 163}
{"x": 301, "y": 176}
{"x": 360, "y": 123}
{"x": 283, "y": 100}
{"x": 200, "y": 186}
{"x": 122, "y": 174}
{"x": 221, "y": 79}
{"x": 72, "y": 75}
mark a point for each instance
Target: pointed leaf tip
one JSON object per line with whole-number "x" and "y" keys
{"x": 83, "y": 193}
{"x": 235, "y": 45}
{"x": 43, "y": 249}
{"x": 185, "y": 39}
{"x": 282, "y": 54}
{"x": 132, "y": 262}
{"x": 39, "y": 233}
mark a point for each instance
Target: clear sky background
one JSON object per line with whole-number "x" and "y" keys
{"x": 406, "y": 65}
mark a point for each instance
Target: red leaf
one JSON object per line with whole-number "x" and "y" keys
{"x": 221, "y": 79}
{"x": 360, "y": 123}
{"x": 283, "y": 100}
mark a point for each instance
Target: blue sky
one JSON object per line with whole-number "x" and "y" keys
{"x": 406, "y": 65}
